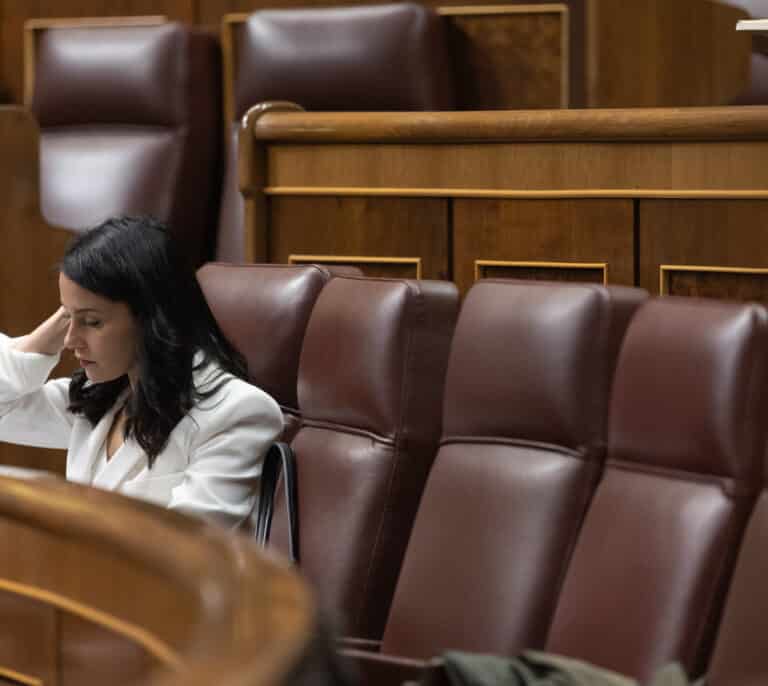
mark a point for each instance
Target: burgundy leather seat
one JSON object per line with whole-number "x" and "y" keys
{"x": 740, "y": 657}
{"x": 371, "y": 380}
{"x": 129, "y": 119}
{"x": 366, "y": 57}
{"x": 263, "y": 309}
{"x": 685, "y": 442}
{"x": 523, "y": 441}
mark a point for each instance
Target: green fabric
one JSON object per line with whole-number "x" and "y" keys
{"x": 542, "y": 669}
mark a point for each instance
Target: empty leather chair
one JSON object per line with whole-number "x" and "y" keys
{"x": 263, "y": 309}
{"x": 371, "y": 379}
{"x": 129, "y": 118}
{"x": 524, "y": 434}
{"x": 685, "y": 442}
{"x": 366, "y": 57}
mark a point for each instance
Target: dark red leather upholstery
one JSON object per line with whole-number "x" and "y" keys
{"x": 263, "y": 309}
{"x": 686, "y": 437}
{"x": 523, "y": 441}
{"x": 370, "y": 386}
{"x": 129, "y": 120}
{"x": 365, "y": 57}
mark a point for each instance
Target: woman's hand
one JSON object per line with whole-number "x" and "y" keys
{"x": 48, "y": 337}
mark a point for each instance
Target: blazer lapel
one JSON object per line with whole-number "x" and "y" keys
{"x": 125, "y": 464}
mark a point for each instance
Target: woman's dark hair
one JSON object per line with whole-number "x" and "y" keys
{"x": 134, "y": 260}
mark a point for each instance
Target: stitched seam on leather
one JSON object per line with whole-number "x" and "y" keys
{"x": 731, "y": 485}
{"x": 579, "y": 453}
{"x": 398, "y": 441}
{"x": 342, "y": 428}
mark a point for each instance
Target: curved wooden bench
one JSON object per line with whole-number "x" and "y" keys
{"x": 99, "y": 588}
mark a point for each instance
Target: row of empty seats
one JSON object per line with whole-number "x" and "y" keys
{"x": 131, "y": 114}
{"x": 569, "y": 467}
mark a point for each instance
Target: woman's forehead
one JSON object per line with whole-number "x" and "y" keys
{"x": 74, "y": 297}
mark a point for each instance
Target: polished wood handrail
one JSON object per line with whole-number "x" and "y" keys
{"x": 254, "y": 616}
{"x": 684, "y": 123}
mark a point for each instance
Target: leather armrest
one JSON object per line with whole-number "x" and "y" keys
{"x": 367, "y": 644}
{"x": 375, "y": 669}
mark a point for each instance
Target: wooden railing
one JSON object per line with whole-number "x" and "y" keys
{"x": 674, "y": 196}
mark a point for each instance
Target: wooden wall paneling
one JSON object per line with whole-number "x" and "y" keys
{"x": 396, "y": 237}
{"x": 555, "y": 239}
{"x": 28, "y": 649}
{"x": 88, "y": 655}
{"x": 13, "y": 14}
{"x": 208, "y": 607}
{"x": 32, "y": 248}
{"x": 711, "y": 248}
{"x": 510, "y": 56}
{"x": 659, "y": 53}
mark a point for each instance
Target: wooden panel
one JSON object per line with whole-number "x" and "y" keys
{"x": 13, "y": 14}
{"x": 89, "y": 655}
{"x": 511, "y": 57}
{"x": 627, "y": 169}
{"x": 28, "y": 644}
{"x": 578, "y": 272}
{"x": 706, "y": 233}
{"x": 374, "y": 227}
{"x": 390, "y": 267}
{"x": 714, "y": 282}
{"x": 597, "y": 231}
{"x": 658, "y": 53}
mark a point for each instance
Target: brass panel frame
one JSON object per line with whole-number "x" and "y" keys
{"x": 355, "y": 259}
{"x": 32, "y": 28}
{"x": 479, "y": 264}
{"x": 25, "y": 679}
{"x": 666, "y": 269}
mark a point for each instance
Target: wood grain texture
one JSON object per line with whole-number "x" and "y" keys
{"x": 715, "y": 233}
{"x": 374, "y": 227}
{"x": 526, "y": 166}
{"x": 517, "y": 60}
{"x": 228, "y": 614}
{"x": 544, "y": 231}
{"x": 661, "y": 53}
{"x": 29, "y": 648}
{"x": 630, "y": 125}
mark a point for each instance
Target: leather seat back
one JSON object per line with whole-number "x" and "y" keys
{"x": 363, "y": 58}
{"x": 686, "y": 437}
{"x": 129, "y": 118}
{"x": 523, "y": 441}
{"x": 371, "y": 380}
{"x": 264, "y": 309}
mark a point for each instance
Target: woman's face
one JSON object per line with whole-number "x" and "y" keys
{"x": 102, "y": 333}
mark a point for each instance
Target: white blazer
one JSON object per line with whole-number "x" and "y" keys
{"x": 210, "y": 466}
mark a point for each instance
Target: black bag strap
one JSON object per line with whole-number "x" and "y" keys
{"x": 279, "y": 458}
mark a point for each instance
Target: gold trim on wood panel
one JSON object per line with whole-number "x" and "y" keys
{"x": 551, "y": 8}
{"x": 355, "y": 259}
{"x": 21, "y": 678}
{"x": 153, "y": 645}
{"x": 666, "y": 269}
{"x": 32, "y": 26}
{"x": 479, "y": 264}
{"x": 498, "y": 193}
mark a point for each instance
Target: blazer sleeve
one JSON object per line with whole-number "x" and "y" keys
{"x": 33, "y": 411}
{"x": 234, "y": 431}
